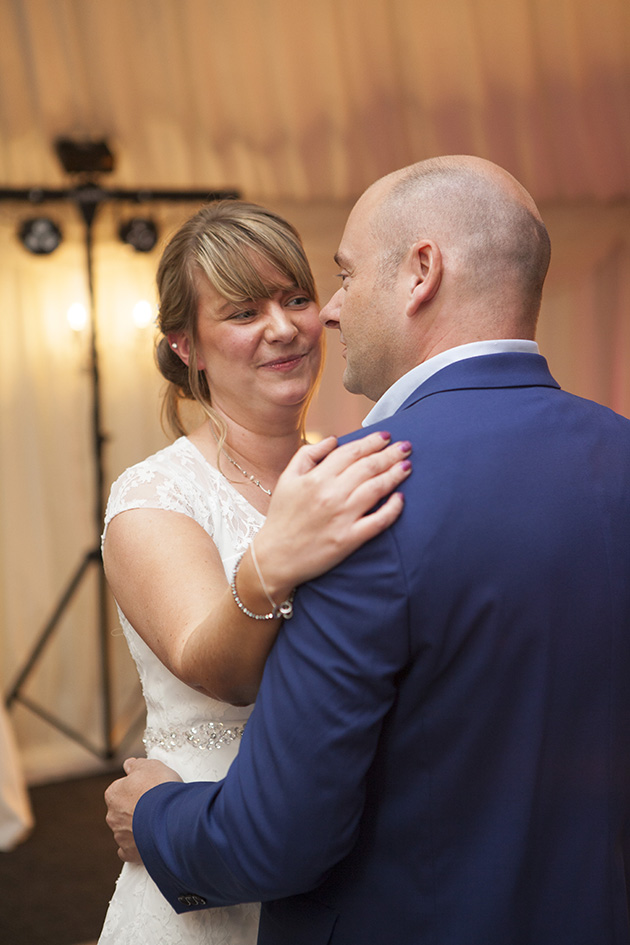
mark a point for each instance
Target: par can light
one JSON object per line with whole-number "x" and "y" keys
{"x": 139, "y": 232}
{"x": 40, "y": 236}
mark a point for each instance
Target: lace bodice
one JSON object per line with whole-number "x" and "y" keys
{"x": 179, "y": 479}
{"x": 193, "y": 734}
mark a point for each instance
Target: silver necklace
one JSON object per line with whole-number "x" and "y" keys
{"x": 246, "y": 474}
{"x": 253, "y": 479}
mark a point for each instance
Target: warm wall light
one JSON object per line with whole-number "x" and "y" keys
{"x": 40, "y": 236}
{"x": 143, "y": 314}
{"x": 139, "y": 232}
{"x": 77, "y": 316}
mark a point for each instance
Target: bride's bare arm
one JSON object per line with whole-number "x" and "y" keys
{"x": 168, "y": 579}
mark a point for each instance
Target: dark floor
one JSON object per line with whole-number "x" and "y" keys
{"x": 55, "y": 887}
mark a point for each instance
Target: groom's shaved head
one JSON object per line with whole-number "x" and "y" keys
{"x": 485, "y": 222}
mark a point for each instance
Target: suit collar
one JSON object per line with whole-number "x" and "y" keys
{"x": 511, "y": 369}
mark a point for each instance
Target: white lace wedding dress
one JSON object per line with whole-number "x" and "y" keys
{"x": 191, "y": 733}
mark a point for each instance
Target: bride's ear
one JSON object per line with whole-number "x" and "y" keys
{"x": 180, "y": 343}
{"x": 426, "y": 265}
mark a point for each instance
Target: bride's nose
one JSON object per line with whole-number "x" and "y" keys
{"x": 280, "y": 326}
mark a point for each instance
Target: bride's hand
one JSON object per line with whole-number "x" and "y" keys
{"x": 323, "y": 507}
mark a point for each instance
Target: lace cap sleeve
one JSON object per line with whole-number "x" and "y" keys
{"x": 164, "y": 481}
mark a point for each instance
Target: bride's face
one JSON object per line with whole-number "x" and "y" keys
{"x": 260, "y": 355}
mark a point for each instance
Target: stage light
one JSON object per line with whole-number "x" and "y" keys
{"x": 85, "y": 156}
{"x": 40, "y": 236}
{"x": 139, "y": 232}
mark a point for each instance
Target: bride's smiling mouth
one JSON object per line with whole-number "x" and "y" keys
{"x": 284, "y": 364}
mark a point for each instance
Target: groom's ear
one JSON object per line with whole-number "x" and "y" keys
{"x": 425, "y": 263}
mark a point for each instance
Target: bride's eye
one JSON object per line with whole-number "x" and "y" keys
{"x": 299, "y": 301}
{"x": 243, "y": 316}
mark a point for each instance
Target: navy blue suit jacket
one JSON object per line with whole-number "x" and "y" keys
{"x": 440, "y": 752}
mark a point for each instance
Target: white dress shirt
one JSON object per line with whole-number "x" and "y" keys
{"x": 395, "y": 396}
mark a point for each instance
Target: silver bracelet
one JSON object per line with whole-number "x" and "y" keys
{"x": 285, "y": 609}
{"x": 287, "y": 603}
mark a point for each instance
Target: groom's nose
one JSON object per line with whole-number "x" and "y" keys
{"x": 329, "y": 315}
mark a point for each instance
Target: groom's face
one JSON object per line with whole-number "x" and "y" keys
{"x": 364, "y": 307}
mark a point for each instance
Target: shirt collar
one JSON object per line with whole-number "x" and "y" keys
{"x": 397, "y": 394}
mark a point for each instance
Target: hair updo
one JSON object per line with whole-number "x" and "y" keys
{"x": 229, "y": 241}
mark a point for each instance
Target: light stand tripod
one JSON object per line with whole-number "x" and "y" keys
{"x": 88, "y": 197}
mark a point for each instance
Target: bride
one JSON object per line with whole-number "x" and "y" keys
{"x": 199, "y": 601}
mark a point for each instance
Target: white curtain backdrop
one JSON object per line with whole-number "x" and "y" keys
{"x": 315, "y": 99}
{"x": 585, "y": 322}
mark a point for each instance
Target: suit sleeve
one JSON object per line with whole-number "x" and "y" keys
{"x": 290, "y": 806}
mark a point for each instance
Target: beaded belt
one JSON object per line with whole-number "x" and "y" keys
{"x": 206, "y": 736}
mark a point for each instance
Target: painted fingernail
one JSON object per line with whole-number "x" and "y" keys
{"x": 386, "y": 436}
{"x": 405, "y": 465}
{"x": 405, "y": 446}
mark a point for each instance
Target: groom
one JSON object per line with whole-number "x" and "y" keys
{"x": 440, "y": 751}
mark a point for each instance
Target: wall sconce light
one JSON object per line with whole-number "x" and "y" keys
{"x": 143, "y": 314}
{"x": 139, "y": 232}
{"x": 77, "y": 316}
{"x": 40, "y": 236}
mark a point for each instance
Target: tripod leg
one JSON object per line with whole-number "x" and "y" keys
{"x": 51, "y": 625}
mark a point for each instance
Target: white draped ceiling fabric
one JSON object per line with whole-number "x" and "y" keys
{"x": 299, "y": 104}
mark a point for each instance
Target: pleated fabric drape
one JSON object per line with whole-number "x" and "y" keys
{"x": 315, "y": 99}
